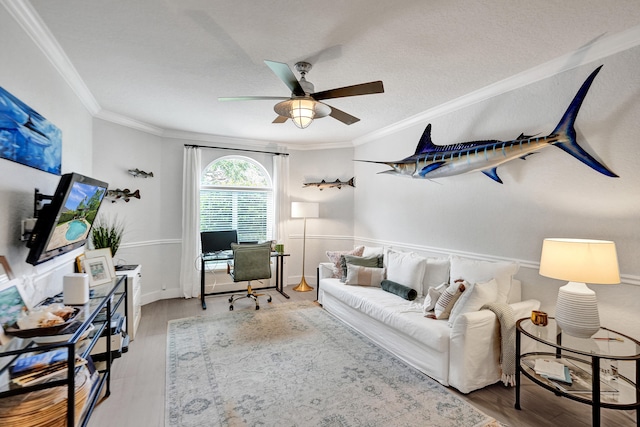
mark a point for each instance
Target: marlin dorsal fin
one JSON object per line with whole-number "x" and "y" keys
{"x": 425, "y": 144}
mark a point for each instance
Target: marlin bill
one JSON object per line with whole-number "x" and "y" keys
{"x": 437, "y": 161}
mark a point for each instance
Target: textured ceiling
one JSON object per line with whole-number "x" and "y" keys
{"x": 165, "y": 62}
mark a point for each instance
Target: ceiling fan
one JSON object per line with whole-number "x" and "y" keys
{"x": 304, "y": 104}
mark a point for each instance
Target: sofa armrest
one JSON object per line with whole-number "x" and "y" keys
{"x": 474, "y": 353}
{"x": 325, "y": 270}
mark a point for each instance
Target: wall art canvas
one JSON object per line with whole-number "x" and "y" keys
{"x": 28, "y": 138}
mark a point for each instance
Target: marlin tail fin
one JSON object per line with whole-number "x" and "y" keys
{"x": 566, "y": 130}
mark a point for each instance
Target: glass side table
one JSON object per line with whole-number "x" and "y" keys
{"x": 604, "y": 369}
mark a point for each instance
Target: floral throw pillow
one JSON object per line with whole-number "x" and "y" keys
{"x": 334, "y": 257}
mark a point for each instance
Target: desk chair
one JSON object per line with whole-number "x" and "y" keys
{"x": 250, "y": 262}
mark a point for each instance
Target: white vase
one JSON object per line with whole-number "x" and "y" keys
{"x": 577, "y": 310}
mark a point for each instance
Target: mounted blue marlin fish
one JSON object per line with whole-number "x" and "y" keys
{"x": 437, "y": 161}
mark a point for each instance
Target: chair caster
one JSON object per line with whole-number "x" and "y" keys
{"x": 269, "y": 299}
{"x": 230, "y": 308}
{"x": 257, "y": 307}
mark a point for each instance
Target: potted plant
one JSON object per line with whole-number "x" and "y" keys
{"x": 107, "y": 234}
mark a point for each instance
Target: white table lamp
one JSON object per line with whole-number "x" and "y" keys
{"x": 579, "y": 261}
{"x": 304, "y": 210}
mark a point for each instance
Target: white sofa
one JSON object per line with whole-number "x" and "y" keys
{"x": 464, "y": 355}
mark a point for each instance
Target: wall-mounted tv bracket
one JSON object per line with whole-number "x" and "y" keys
{"x": 29, "y": 223}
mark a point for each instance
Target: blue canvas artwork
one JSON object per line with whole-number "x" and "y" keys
{"x": 28, "y": 138}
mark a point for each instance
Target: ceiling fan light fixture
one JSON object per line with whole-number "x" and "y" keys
{"x": 302, "y": 112}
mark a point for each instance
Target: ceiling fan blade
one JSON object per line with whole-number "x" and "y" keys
{"x": 361, "y": 89}
{"x": 345, "y": 118}
{"x": 251, "y": 98}
{"x": 286, "y": 75}
{"x": 280, "y": 119}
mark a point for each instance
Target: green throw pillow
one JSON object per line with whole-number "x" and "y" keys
{"x": 363, "y": 261}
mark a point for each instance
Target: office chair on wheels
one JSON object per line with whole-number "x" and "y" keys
{"x": 250, "y": 262}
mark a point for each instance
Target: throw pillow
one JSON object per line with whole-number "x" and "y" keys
{"x": 334, "y": 257}
{"x": 364, "y": 276}
{"x": 396, "y": 288}
{"x": 435, "y": 273}
{"x": 373, "y": 250}
{"x": 447, "y": 300}
{"x": 433, "y": 293}
{"x": 473, "y": 298}
{"x": 475, "y": 271}
{"x": 406, "y": 268}
{"x": 365, "y": 261}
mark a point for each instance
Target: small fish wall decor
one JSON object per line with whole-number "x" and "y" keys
{"x": 137, "y": 173}
{"x": 437, "y": 161}
{"x": 125, "y": 195}
{"x": 333, "y": 184}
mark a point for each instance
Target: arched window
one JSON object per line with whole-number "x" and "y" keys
{"x": 236, "y": 193}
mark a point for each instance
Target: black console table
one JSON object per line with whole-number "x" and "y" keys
{"x": 98, "y": 312}
{"x": 227, "y": 256}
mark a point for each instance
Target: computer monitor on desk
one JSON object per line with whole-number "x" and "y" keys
{"x": 218, "y": 241}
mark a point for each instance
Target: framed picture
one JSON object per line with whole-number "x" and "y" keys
{"x": 5, "y": 271}
{"x": 106, "y": 253}
{"x": 79, "y": 260}
{"x": 12, "y": 306}
{"x": 97, "y": 269}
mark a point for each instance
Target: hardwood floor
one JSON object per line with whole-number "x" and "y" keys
{"x": 138, "y": 381}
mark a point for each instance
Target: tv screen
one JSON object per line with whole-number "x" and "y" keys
{"x": 64, "y": 224}
{"x": 216, "y": 241}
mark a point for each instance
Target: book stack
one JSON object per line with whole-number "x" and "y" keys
{"x": 40, "y": 367}
{"x": 552, "y": 370}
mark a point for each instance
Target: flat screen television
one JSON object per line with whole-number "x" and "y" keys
{"x": 217, "y": 241}
{"x": 64, "y": 224}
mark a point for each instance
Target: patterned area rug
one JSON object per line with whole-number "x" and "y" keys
{"x": 294, "y": 364}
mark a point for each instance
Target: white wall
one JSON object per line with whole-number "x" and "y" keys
{"x": 550, "y": 194}
{"x": 29, "y": 76}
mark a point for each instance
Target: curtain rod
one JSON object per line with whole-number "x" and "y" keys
{"x": 237, "y": 149}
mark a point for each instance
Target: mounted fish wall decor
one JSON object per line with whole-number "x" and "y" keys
{"x": 437, "y": 161}
{"x": 137, "y": 173}
{"x": 333, "y": 184}
{"x": 118, "y": 194}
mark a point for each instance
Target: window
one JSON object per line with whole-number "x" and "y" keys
{"x": 236, "y": 193}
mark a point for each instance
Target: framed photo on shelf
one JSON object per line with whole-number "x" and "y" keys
{"x": 98, "y": 270}
{"x": 79, "y": 260}
{"x": 106, "y": 253}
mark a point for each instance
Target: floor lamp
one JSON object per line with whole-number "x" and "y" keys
{"x": 304, "y": 210}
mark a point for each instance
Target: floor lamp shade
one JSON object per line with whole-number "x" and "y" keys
{"x": 304, "y": 210}
{"x": 579, "y": 262}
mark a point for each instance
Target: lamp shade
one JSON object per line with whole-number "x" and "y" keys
{"x": 305, "y": 210}
{"x": 578, "y": 260}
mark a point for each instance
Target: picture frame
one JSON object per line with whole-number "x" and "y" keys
{"x": 98, "y": 270}
{"x": 6, "y": 274}
{"x": 106, "y": 253}
{"x": 12, "y": 305}
{"x": 79, "y": 260}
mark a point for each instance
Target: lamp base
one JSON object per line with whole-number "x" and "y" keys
{"x": 303, "y": 286}
{"x": 577, "y": 310}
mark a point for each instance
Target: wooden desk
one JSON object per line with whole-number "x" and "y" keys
{"x": 227, "y": 256}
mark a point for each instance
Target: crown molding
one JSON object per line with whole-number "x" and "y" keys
{"x": 31, "y": 23}
{"x": 599, "y": 48}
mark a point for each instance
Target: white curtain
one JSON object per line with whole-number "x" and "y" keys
{"x": 281, "y": 202}
{"x": 281, "y": 205}
{"x": 189, "y": 274}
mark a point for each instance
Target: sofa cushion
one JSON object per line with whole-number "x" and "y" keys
{"x": 404, "y": 316}
{"x": 365, "y": 261}
{"x": 474, "y": 271}
{"x": 334, "y": 257}
{"x": 373, "y": 250}
{"x": 448, "y": 299}
{"x": 473, "y": 298}
{"x": 402, "y": 291}
{"x": 364, "y": 276}
{"x": 406, "y": 268}
{"x": 433, "y": 293}
{"x": 436, "y": 272}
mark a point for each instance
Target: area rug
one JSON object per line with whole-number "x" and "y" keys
{"x": 294, "y": 364}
